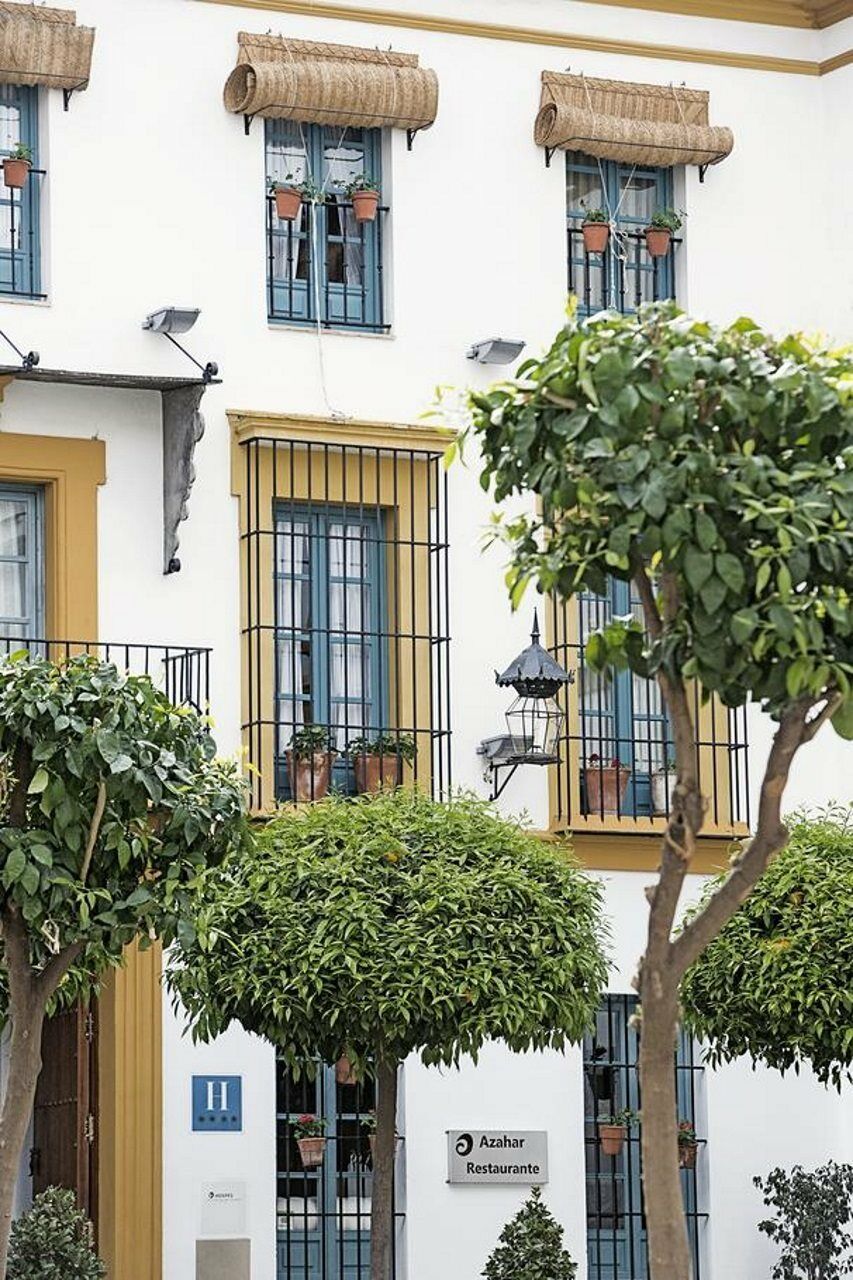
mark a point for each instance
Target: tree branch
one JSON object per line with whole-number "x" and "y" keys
{"x": 56, "y": 968}
{"x": 94, "y": 828}
{"x": 813, "y": 727}
{"x": 770, "y": 836}
{"x": 22, "y": 768}
{"x": 645, "y": 591}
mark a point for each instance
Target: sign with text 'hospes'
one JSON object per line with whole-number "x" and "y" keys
{"x": 498, "y": 1156}
{"x": 217, "y": 1104}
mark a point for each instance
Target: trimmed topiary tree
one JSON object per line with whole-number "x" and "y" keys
{"x": 379, "y": 927}
{"x": 531, "y": 1246}
{"x": 810, "y": 1227}
{"x": 111, "y": 804}
{"x": 775, "y": 983}
{"x": 53, "y": 1241}
{"x": 713, "y": 470}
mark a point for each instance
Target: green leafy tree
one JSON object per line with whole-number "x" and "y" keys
{"x": 390, "y": 925}
{"x": 775, "y": 983}
{"x": 111, "y": 805}
{"x": 531, "y": 1247}
{"x": 711, "y": 468}
{"x": 812, "y": 1212}
{"x": 54, "y": 1241}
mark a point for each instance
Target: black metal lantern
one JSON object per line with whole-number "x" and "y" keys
{"x": 535, "y": 719}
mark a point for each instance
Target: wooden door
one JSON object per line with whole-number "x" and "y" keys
{"x": 64, "y": 1152}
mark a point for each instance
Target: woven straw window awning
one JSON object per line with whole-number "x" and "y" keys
{"x": 649, "y": 124}
{"x": 44, "y": 46}
{"x": 330, "y": 84}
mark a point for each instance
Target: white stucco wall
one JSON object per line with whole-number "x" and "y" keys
{"x": 155, "y": 196}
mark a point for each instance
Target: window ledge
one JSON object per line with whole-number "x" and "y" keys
{"x": 633, "y": 850}
{"x": 292, "y": 326}
{"x": 24, "y": 300}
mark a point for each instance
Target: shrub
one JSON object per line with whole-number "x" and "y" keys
{"x": 53, "y": 1241}
{"x": 531, "y": 1246}
{"x": 812, "y": 1212}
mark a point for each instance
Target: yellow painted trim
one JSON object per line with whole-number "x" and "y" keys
{"x": 642, "y": 853}
{"x": 247, "y": 425}
{"x": 397, "y": 484}
{"x": 130, "y": 1113}
{"x": 130, "y": 1221}
{"x": 840, "y": 60}
{"x": 531, "y": 35}
{"x": 70, "y": 472}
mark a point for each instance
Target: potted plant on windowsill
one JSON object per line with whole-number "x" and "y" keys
{"x": 663, "y": 785}
{"x": 377, "y": 762}
{"x": 344, "y": 1073}
{"x": 309, "y": 763}
{"x": 363, "y": 191}
{"x": 291, "y": 193}
{"x": 687, "y": 1145}
{"x": 310, "y": 1133}
{"x": 16, "y": 167}
{"x": 613, "y": 1130}
{"x": 595, "y": 229}
{"x": 605, "y": 784}
{"x": 663, "y": 225}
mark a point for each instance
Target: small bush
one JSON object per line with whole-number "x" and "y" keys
{"x": 812, "y": 1212}
{"x": 531, "y": 1247}
{"x": 53, "y": 1241}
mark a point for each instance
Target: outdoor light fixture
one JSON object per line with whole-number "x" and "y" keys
{"x": 534, "y": 720}
{"x": 172, "y": 320}
{"x": 496, "y": 350}
{"x": 28, "y": 361}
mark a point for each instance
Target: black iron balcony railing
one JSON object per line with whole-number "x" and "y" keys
{"x": 325, "y": 261}
{"x": 20, "y": 238}
{"x": 616, "y": 769}
{"x": 623, "y": 277}
{"x": 182, "y": 673}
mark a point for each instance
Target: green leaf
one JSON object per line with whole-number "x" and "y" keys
{"x": 39, "y": 782}
{"x": 30, "y": 880}
{"x": 698, "y": 567}
{"x": 706, "y": 531}
{"x": 15, "y": 866}
{"x": 730, "y": 569}
{"x": 842, "y": 721}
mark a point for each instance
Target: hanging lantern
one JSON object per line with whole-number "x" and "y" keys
{"x": 535, "y": 719}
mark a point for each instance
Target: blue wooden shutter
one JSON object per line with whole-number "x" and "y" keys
{"x": 20, "y": 247}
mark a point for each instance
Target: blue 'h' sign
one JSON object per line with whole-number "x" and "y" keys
{"x": 217, "y": 1104}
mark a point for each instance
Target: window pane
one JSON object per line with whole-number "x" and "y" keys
{"x": 13, "y": 527}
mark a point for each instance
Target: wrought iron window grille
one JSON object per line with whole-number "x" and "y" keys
{"x": 616, "y": 745}
{"x": 344, "y": 553}
{"x": 620, "y": 279}
{"x": 20, "y": 252}
{"x": 349, "y": 256}
{"x": 616, "y": 1227}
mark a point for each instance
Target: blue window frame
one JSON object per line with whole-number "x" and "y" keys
{"x": 323, "y": 1214}
{"x": 616, "y": 1228}
{"x": 331, "y": 605}
{"x": 324, "y": 264}
{"x": 22, "y": 588}
{"x": 20, "y": 210}
{"x": 625, "y": 275}
{"x": 622, "y": 716}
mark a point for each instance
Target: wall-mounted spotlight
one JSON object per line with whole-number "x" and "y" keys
{"x": 28, "y": 361}
{"x": 495, "y": 350}
{"x": 172, "y": 320}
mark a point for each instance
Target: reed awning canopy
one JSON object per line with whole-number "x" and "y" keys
{"x": 649, "y": 124}
{"x": 333, "y": 84}
{"x": 44, "y": 46}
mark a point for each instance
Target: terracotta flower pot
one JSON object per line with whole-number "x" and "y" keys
{"x": 288, "y": 202}
{"x": 311, "y": 1151}
{"x": 16, "y": 172}
{"x": 612, "y": 1138}
{"x": 687, "y": 1155}
{"x": 657, "y": 241}
{"x": 310, "y": 779}
{"x": 595, "y": 236}
{"x": 364, "y": 205}
{"x": 605, "y": 787}
{"x": 344, "y": 1073}
{"x": 376, "y": 773}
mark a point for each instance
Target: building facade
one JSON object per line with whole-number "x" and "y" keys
{"x": 279, "y": 538}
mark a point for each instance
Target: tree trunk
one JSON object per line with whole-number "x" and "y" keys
{"x": 669, "y": 1253}
{"x": 382, "y": 1208}
{"x": 27, "y": 1019}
